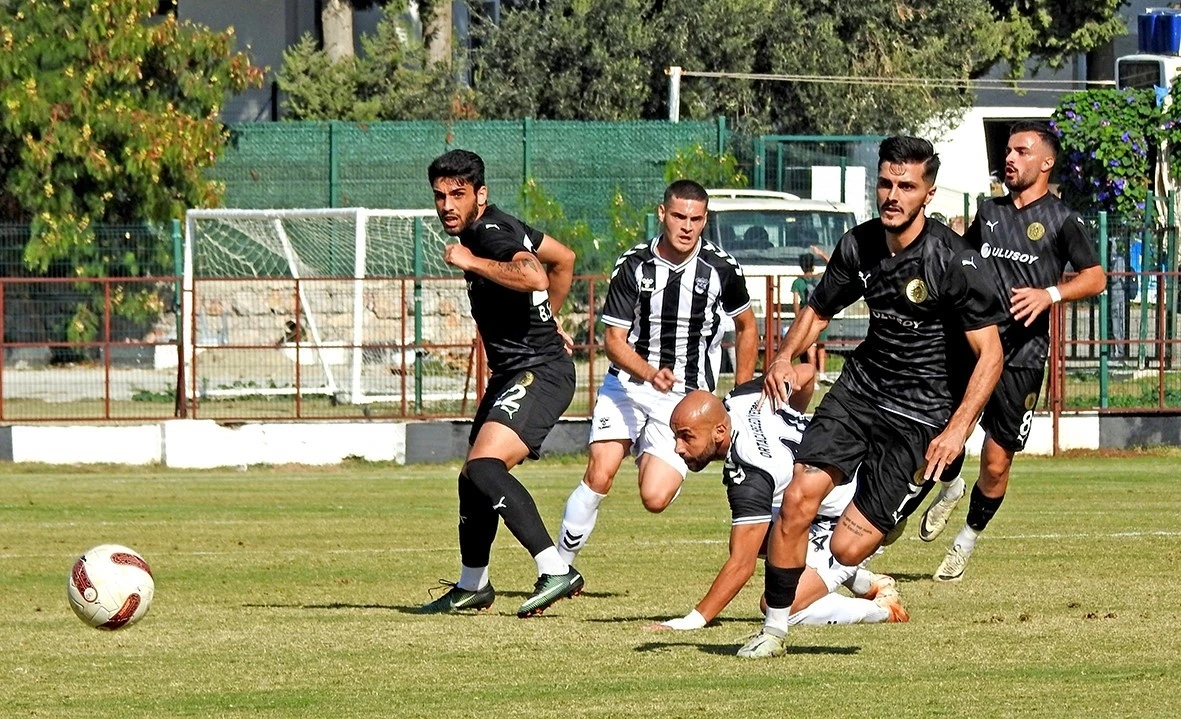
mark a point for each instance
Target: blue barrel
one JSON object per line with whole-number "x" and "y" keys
{"x": 1166, "y": 35}
{"x": 1146, "y": 25}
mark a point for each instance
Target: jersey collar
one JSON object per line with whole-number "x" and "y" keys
{"x": 660, "y": 259}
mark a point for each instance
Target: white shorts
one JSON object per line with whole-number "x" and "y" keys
{"x": 640, "y": 414}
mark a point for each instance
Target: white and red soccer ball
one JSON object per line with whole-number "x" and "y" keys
{"x": 110, "y": 587}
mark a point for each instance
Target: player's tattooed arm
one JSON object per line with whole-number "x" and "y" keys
{"x": 523, "y": 273}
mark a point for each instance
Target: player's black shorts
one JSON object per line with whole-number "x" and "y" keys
{"x": 528, "y": 402}
{"x": 1008, "y": 415}
{"x": 887, "y": 450}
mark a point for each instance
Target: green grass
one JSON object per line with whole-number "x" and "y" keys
{"x": 290, "y": 592}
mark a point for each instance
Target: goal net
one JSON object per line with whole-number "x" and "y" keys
{"x": 335, "y": 302}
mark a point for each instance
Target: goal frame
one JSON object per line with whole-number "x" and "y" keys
{"x": 354, "y": 393}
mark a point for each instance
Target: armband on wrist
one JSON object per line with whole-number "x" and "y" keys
{"x": 1054, "y": 293}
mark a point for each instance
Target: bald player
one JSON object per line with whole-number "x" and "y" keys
{"x": 758, "y": 445}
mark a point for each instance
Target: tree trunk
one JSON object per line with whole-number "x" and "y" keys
{"x": 336, "y": 17}
{"x": 436, "y": 29}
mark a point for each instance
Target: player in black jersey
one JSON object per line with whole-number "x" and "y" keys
{"x": 893, "y": 414}
{"x": 1028, "y": 236}
{"x": 513, "y": 299}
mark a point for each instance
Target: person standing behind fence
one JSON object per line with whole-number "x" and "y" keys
{"x": 664, "y": 311}
{"x": 513, "y": 300}
{"x": 801, "y": 290}
{"x": 1028, "y": 236}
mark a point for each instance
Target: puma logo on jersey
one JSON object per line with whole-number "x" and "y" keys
{"x": 493, "y": 225}
{"x": 992, "y": 224}
{"x": 500, "y": 504}
{"x": 969, "y": 263}
{"x": 864, "y": 277}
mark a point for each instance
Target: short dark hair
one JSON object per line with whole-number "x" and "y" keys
{"x": 807, "y": 262}
{"x": 1043, "y": 131}
{"x": 906, "y": 150}
{"x": 462, "y": 165}
{"x": 686, "y": 190}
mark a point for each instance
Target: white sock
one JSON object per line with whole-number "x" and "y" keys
{"x": 953, "y": 487}
{"x": 778, "y": 619}
{"x": 966, "y": 539}
{"x": 838, "y": 609}
{"x": 582, "y": 509}
{"x": 861, "y": 581}
{"x": 472, "y": 578}
{"x": 550, "y": 562}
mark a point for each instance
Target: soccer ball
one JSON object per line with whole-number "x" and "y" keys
{"x": 110, "y": 587}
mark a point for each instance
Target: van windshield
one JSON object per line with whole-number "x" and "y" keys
{"x": 777, "y": 236}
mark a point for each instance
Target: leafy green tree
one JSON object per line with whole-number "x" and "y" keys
{"x": 391, "y": 80}
{"x": 572, "y": 60}
{"x": 606, "y": 60}
{"x": 107, "y": 118}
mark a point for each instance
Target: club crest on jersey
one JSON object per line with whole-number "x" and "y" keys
{"x": 916, "y": 291}
{"x": 1031, "y": 400}
{"x": 701, "y": 285}
{"x": 1035, "y": 231}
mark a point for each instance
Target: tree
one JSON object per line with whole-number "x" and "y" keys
{"x": 606, "y": 60}
{"x": 108, "y": 117}
{"x": 336, "y": 21}
{"x": 392, "y": 80}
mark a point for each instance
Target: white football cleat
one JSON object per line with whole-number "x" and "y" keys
{"x": 936, "y": 516}
{"x": 951, "y": 569}
{"x": 766, "y": 643}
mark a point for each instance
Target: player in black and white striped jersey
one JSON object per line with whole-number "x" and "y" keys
{"x": 664, "y": 314}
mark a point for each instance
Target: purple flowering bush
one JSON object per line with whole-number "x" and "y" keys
{"x": 1109, "y": 148}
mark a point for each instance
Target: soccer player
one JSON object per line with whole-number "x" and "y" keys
{"x": 801, "y": 289}
{"x": 663, "y": 314}
{"x": 1028, "y": 236}
{"x": 758, "y": 445}
{"x": 517, "y": 279}
{"x": 892, "y": 415}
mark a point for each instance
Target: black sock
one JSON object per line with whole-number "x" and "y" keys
{"x": 477, "y": 524}
{"x": 511, "y": 501}
{"x": 981, "y": 509}
{"x": 780, "y": 585}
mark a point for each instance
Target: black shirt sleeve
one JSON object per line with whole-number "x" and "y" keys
{"x": 1076, "y": 243}
{"x": 501, "y": 244}
{"x": 735, "y": 297}
{"x": 971, "y": 290}
{"x": 840, "y": 285}
{"x": 619, "y": 309}
{"x": 749, "y": 491}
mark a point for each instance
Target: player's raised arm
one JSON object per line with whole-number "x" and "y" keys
{"x": 523, "y": 272}
{"x": 559, "y": 268}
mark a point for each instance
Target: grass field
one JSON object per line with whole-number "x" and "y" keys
{"x": 292, "y": 593}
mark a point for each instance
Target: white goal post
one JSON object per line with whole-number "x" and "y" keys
{"x": 245, "y": 272}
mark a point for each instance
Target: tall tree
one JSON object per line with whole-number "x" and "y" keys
{"x": 109, "y": 116}
{"x": 606, "y": 60}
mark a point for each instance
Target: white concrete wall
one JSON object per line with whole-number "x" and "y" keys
{"x": 205, "y": 443}
{"x": 199, "y": 444}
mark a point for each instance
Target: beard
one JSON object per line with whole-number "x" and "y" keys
{"x": 902, "y": 223}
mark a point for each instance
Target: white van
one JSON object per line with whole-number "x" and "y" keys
{"x": 768, "y": 231}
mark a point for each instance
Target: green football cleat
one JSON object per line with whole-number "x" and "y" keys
{"x": 458, "y": 600}
{"x": 549, "y": 589}
{"x": 767, "y": 642}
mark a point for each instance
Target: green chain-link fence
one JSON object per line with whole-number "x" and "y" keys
{"x": 383, "y": 164}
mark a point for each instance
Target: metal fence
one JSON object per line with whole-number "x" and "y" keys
{"x": 383, "y": 164}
